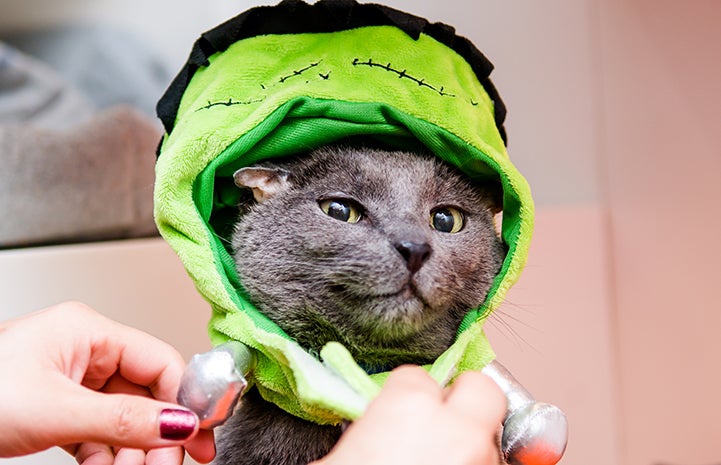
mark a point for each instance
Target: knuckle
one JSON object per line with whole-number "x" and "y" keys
{"x": 414, "y": 400}
{"x": 73, "y": 309}
{"x": 124, "y": 419}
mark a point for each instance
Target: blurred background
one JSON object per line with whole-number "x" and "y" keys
{"x": 614, "y": 118}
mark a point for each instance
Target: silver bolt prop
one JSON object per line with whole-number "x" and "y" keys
{"x": 214, "y": 381}
{"x": 534, "y": 433}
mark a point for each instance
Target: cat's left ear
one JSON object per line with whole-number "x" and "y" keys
{"x": 264, "y": 182}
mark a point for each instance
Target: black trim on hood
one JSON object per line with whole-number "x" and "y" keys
{"x": 296, "y": 16}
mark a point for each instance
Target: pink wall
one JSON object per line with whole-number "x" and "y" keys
{"x": 554, "y": 330}
{"x": 661, "y": 155}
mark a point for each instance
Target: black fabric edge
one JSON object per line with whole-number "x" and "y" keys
{"x": 296, "y": 16}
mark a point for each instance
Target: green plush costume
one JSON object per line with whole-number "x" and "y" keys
{"x": 279, "y": 81}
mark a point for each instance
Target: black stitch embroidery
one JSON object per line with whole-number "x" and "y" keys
{"x": 229, "y": 103}
{"x": 298, "y": 72}
{"x": 402, "y": 74}
{"x": 282, "y": 80}
{"x": 293, "y": 74}
{"x": 474, "y": 103}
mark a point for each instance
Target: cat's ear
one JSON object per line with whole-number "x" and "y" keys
{"x": 264, "y": 182}
{"x": 495, "y": 193}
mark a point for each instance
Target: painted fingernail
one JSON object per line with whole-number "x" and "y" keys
{"x": 177, "y": 424}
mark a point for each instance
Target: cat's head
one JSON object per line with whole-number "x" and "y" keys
{"x": 382, "y": 251}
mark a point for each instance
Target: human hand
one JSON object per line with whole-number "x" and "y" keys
{"x": 102, "y": 391}
{"x": 414, "y": 421}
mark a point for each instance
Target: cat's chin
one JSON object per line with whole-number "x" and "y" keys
{"x": 399, "y": 314}
{"x": 406, "y": 293}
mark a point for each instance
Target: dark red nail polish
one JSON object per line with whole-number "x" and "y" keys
{"x": 177, "y": 424}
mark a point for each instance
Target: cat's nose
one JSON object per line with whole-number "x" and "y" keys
{"x": 414, "y": 253}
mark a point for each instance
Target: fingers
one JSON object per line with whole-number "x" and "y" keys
{"x": 414, "y": 420}
{"x": 100, "y": 454}
{"x": 119, "y": 385}
{"x": 142, "y": 423}
{"x": 147, "y": 366}
{"x": 473, "y": 394}
{"x": 94, "y": 454}
{"x": 136, "y": 356}
{"x": 147, "y": 361}
{"x": 128, "y": 456}
{"x": 119, "y": 359}
{"x": 115, "y": 419}
{"x": 411, "y": 378}
{"x": 476, "y": 395}
{"x": 201, "y": 447}
{"x": 76, "y": 352}
{"x": 166, "y": 456}
{"x": 89, "y": 348}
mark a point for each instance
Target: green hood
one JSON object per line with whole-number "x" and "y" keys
{"x": 277, "y": 81}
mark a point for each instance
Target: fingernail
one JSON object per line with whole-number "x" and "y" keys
{"x": 177, "y": 424}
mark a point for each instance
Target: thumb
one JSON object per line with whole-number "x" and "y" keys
{"x": 124, "y": 420}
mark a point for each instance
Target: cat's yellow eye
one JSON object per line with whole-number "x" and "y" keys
{"x": 342, "y": 210}
{"x": 447, "y": 219}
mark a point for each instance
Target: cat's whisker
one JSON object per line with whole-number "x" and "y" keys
{"x": 503, "y": 326}
{"x": 517, "y": 318}
{"x": 222, "y": 239}
{"x": 523, "y": 307}
{"x": 500, "y": 319}
{"x": 512, "y": 335}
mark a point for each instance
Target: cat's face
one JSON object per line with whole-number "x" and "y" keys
{"x": 382, "y": 251}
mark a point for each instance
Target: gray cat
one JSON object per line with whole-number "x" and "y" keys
{"x": 381, "y": 251}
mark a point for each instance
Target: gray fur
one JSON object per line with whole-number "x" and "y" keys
{"x": 390, "y": 288}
